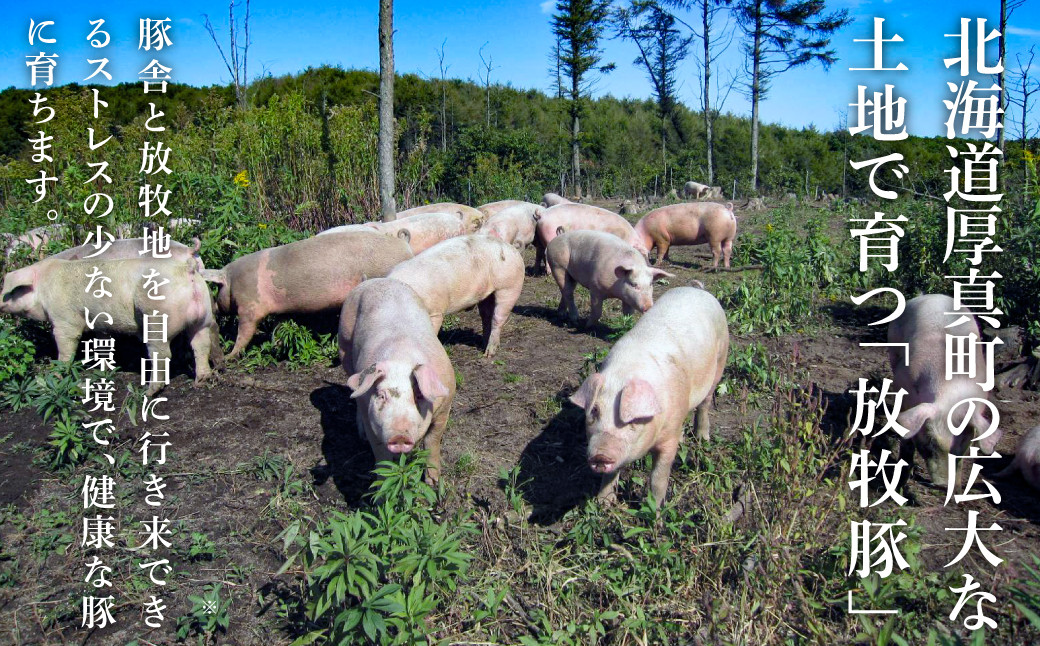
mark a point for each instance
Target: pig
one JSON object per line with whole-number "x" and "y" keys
{"x": 310, "y": 275}
{"x": 695, "y": 190}
{"x": 491, "y": 208}
{"x": 931, "y": 397}
{"x": 514, "y": 225}
{"x": 1027, "y": 459}
{"x": 689, "y": 224}
{"x": 55, "y": 291}
{"x": 552, "y": 199}
{"x": 714, "y": 193}
{"x": 347, "y": 228}
{"x": 472, "y": 218}
{"x": 126, "y": 248}
{"x": 35, "y": 239}
{"x": 462, "y": 272}
{"x": 574, "y": 217}
{"x": 402, "y": 379}
{"x": 667, "y": 365}
{"x": 606, "y": 266}
{"x": 425, "y": 229}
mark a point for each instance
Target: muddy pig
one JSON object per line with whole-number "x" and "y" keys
{"x": 307, "y": 276}
{"x": 667, "y": 365}
{"x": 606, "y": 266}
{"x": 425, "y": 229}
{"x": 931, "y": 397}
{"x": 56, "y": 291}
{"x": 401, "y": 376}
{"x": 689, "y": 224}
{"x": 514, "y": 225}
{"x": 1027, "y": 459}
{"x": 472, "y": 219}
{"x": 574, "y": 217}
{"x": 462, "y": 272}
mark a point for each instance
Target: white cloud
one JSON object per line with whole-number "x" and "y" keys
{"x": 548, "y": 6}
{"x": 1019, "y": 31}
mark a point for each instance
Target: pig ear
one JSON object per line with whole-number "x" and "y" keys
{"x": 586, "y": 393}
{"x": 660, "y": 273}
{"x": 23, "y": 278}
{"x": 638, "y": 401}
{"x": 216, "y": 276}
{"x": 430, "y": 386}
{"x": 913, "y": 420}
{"x": 363, "y": 381}
{"x": 405, "y": 235}
{"x": 989, "y": 442}
{"x": 624, "y": 269}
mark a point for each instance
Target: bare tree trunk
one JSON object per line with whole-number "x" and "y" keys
{"x": 756, "y": 91}
{"x": 575, "y": 157}
{"x": 708, "y": 117}
{"x": 388, "y": 208}
{"x": 444, "y": 99}
{"x": 1000, "y": 75}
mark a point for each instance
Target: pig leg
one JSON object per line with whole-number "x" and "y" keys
{"x": 216, "y": 352}
{"x": 567, "y": 298}
{"x": 539, "y": 260}
{"x": 701, "y": 424}
{"x": 247, "y": 322}
{"x": 662, "y": 251}
{"x": 502, "y": 302}
{"x": 433, "y": 444}
{"x": 160, "y": 353}
{"x": 595, "y": 308}
{"x": 608, "y": 487}
{"x": 716, "y": 253}
{"x": 727, "y": 251}
{"x": 67, "y": 340}
{"x": 663, "y": 456}
{"x": 436, "y": 320}
{"x": 201, "y": 346}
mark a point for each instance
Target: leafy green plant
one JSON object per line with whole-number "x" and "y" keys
{"x": 207, "y": 618}
{"x": 16, "y": 353}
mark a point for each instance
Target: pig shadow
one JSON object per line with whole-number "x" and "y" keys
{"x": 348, "y": 457}
{"x": 553, "y": 475}
{"x": 599, "y": 330}
{"x": 860, "y": 318}
{"x": 537, "y": 311}
{"x": 461, "y": 336}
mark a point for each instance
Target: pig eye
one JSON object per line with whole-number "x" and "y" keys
{"x": 594, "y": 412}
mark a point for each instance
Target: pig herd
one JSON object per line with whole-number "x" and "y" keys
{"x": 394, "y": 282}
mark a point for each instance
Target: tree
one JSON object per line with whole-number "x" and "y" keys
{"x": 579, "y": 25}
{"x": 783, "y": 35}
{"x": 661, "y": 49}
{"x": 1007, "y": 7}
{"x": 444, "y": 96}
{"x": 487, "y": 81}
{"x": 1021, "y": 88}
{"x": 238, "y": 65}
{"x": 388, "y": 208}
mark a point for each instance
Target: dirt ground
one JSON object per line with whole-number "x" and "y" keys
{"x": 503, "y": 416}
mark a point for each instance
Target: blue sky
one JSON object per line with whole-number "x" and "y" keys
{"x": 287, "y": 38}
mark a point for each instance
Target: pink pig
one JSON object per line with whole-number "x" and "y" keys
{"x": 425, "y": 229}
{"x": 606, "y": 266}
{"x": 575, "y": 217}
{"x": 471, "y": 217}
{"x": 401, "y": 376}
{"x": 515, "y": 224}
{"x": 667, "y": 365}
{"x": 691, "y": 223}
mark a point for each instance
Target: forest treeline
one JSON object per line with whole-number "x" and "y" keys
{"x": 308, "y": 145}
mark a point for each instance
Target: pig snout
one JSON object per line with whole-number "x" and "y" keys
{"x": 601, "y": 463}
{"x": 400, "y": 444}
{"x": 645, "y": 303}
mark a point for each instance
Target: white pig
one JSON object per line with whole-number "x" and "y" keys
{"x": 401, "y": 376}
{"x": 667, "y": 365}
{"x": 931, "y": 397}
{"x": 462, "y": 272}
{"x": 605, "y": 265}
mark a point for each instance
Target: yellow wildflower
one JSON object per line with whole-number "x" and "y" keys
{"x": 262, "y": 225}
{"x": 242, "y": 179}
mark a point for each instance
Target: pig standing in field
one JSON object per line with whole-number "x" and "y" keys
{"x": 695, "y": 190}
{"x": 689, "y": 224}
{"x": 425, "y": 229}
{"x": 575, "y": 217}
{"x": 462, "y": 272}
{"x": 401, "y": 376}
{"x": 56, "y": 291}
{"x": 491, "y": 208}
{"x": 930, "y": 397}
{"x": 667, "y": 365}
{"x": 514, "y": 225}
{"x": 310, "y": 275}
{"x": 471, "y": 217}
{"x": 1027, "y": 459}
{"x": 552, "y": 199}
{"x": 606, "y": 266}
